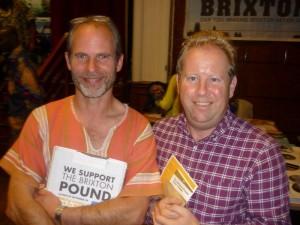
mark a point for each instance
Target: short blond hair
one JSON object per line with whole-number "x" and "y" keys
{"x": 209, "y": 37}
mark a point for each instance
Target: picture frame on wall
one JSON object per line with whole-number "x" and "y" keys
{"x": 41, "y": 11}
{"x": 40, "y": 8}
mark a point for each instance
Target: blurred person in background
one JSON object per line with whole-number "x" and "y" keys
{"x": 156, "y": 91}
{"x": 170, "y": 102}
{"x": 24, "y": 90}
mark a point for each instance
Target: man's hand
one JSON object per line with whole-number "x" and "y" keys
{"x": 48, "y": 201}
{"x": 161, "y": 209}
{"x": 169, "y": 211}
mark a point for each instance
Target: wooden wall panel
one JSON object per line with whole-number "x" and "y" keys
{"x": 292, "y": 56}
{"x": 138, "y": 95}
{"x": 269, "y": 77}
{"x": 263, "y": 52}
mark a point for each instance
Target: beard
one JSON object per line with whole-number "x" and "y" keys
{"x": 94, "y": 90}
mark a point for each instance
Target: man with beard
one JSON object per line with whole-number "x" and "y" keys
{"x": 91, "y": 121}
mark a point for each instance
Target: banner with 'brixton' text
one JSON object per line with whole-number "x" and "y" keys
{"x": 245, "y": 18}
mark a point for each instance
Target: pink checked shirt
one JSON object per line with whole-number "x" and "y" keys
{"x": 239, "y": 170}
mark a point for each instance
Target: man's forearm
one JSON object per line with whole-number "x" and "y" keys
{"x": 21, "y": 207}
{"x": 21, "y": 217}
{"x": 127, "y": 210}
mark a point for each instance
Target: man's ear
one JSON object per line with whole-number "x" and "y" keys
{"x": 68, "y": 60}
{"x": 232, "y": 86}
{"x": 120, "y": 63}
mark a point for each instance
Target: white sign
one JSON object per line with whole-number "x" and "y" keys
{"x": 81, "y": 179}
{"x": 245, "y": 18}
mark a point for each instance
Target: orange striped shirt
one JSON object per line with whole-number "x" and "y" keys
{"x": 55, "y": 123}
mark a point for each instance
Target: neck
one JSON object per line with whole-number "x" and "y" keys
{"x": 98, "y": 116}
{"x": 91, "y": 105}
{"x": 197, "y": 133}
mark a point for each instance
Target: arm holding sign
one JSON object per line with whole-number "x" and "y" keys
{"x": 108, "y": 212}
{"x": 22, "y": 208}
{"x": 69, "y": 170}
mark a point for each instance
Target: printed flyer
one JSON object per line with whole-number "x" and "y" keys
{"x": 177, "y": 182}
{"x": 80, "y": 179}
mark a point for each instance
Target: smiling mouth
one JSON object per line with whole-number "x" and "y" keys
{"x": 93, "y": 80}
{"x": 203, "y": 103}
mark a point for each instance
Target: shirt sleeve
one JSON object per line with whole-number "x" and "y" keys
{"x": 268, "y": 198}
{"x": 25, "y": 159}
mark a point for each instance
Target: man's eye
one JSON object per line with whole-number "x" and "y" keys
{"x": 215, "y": 79}
{"x": 81, "y": 56}
{"x": 101, "y": 57}
{"x": 192, "y": 78}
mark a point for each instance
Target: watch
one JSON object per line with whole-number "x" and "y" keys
{"x": 58, "y": 212}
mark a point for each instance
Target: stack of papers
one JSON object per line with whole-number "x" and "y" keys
{"x": 267, "y": 126}
{"x": 292, "y": 158}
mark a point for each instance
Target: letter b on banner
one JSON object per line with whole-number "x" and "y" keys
{"x": 207, "y": 8}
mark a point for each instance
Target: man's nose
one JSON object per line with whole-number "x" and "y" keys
{"x": 201, "y": 89}
{"x": 91, "y": 65}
